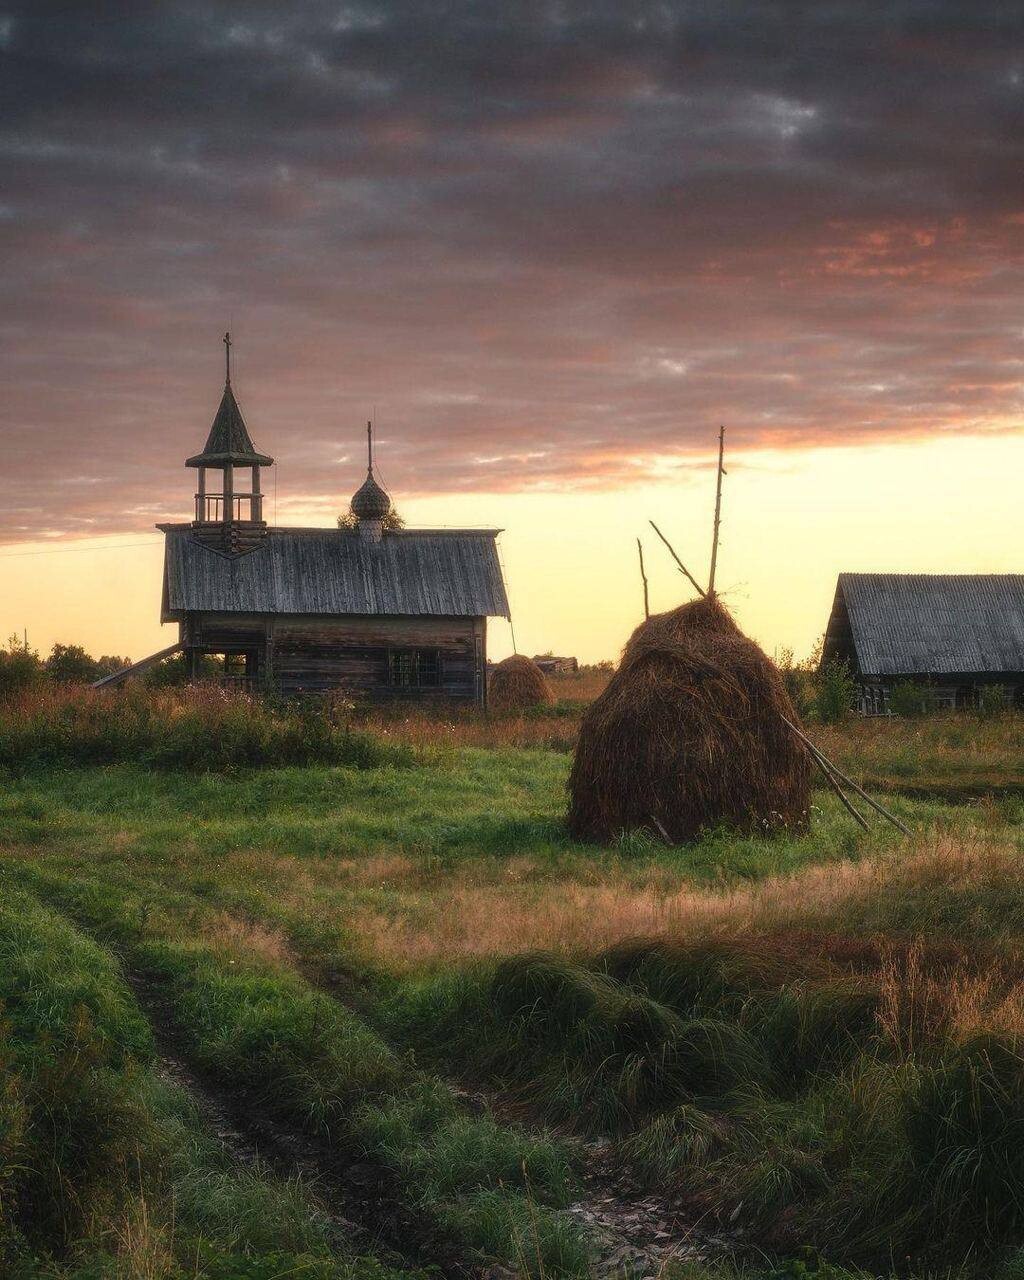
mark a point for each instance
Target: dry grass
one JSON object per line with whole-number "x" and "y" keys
{"x": 517, "y": 684}
{"x": 691, "y": 734}
{"x": 473, "y": 921}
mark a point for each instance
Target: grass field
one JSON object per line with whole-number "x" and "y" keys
{"x": 380, "y": 1016}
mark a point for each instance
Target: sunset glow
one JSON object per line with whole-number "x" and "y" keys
{"x": 549, "y": 254}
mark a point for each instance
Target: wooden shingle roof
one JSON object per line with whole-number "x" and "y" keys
{"x": 447, "y": 573}
{"x": 229, "y": 442}
{"x": 929, "y": 624}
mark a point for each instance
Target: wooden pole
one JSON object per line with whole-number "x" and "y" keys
{"x": 696, "y": 585}
{"x": 643, "y": 575}
{"x": 830, "y": 778}
{"x": 718, "y": 511}
{"x": 849, "y": 781}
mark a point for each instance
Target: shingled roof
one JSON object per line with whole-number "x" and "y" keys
{"x": 229, "y": 443}
{"x": 444, "y": 573}
{"x": 889, "y": 624}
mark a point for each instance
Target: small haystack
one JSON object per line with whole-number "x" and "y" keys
{"x": 689, "y": 735}
{"x": 517, "y": 684}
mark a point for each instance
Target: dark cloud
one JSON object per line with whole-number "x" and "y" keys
{"x": 547, "y": 240}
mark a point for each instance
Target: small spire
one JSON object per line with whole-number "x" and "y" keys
{"x": 227, "y": 359}
{"x": 369, "y": 448}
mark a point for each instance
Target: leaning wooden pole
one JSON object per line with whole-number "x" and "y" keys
{"x": 696, "y": 585}
{"x": 833, "y": 782}
{"x": 718, "y": 511}
{"x": 878, "y": 808}
{"x": 643, "y": 576}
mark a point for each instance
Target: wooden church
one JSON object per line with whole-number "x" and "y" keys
{"x": 379, "y": 611}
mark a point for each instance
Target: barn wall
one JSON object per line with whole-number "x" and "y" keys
{"x": 311, "y": 655}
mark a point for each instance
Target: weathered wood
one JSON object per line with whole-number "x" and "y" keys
{"x": 136, "y": 668}
{"x": 833, "y": 782}
{"x": 643, "y": 578}
{"x": 696, "y": 585}
{"x": 718, "y": 510}
{"x": 849, "y": 781}
{"x": 335, "y": 572}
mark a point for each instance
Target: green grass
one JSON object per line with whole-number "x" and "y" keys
{"x": 824, "y": 1052}
{"x": 106, "y": 1168}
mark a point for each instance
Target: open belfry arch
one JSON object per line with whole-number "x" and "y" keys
{"x": 377, "y": 611}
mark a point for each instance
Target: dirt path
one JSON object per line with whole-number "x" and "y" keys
{"x": 631, "y": 1231}
{"x": 357, "y": 1197}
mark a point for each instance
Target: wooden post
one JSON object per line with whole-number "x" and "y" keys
{"x": 696, "y": 585}
{"x": 201, "y": 495}
{"x": 718, "y": 511}
{"x": 229, "y": 494}
{"x": 256, "y": 501}
{"x": 842, "y": 777}
{"x": 643, "y": 575}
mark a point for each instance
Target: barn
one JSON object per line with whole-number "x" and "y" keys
{"x": 383, "y": 612}
{"x": 955, "y": 634}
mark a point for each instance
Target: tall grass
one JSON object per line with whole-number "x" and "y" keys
{"x": 250, "y": 1020}
{"x": 203, "y": 727}
{"x": 813, "y": 1065}
{"x": 107, "y": 1171}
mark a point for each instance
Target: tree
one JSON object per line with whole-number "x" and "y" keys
{"x": 109, "y": 663}
{"x": 20, "y": 667}
{"x": 836, "y": 690}
{"x": 391, "y": 521}
{"x": 70, "y": 664}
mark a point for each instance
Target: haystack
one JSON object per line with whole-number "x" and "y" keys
{"x": 689, "y": 735}
{"x": 517, "y": 684}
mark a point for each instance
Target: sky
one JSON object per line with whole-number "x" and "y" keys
{"x": 549, "y": 247}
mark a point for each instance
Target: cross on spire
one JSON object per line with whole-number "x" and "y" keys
{"x": 369, "y": 447}
{"x": 227, "y": 359}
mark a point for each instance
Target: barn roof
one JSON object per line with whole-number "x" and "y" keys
{"x": 931, "y": 624}
{"x": 448, "y": 573}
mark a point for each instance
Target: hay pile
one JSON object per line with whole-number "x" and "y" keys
{"x": 689, "y": 736}
{"x": 516, "y": 684}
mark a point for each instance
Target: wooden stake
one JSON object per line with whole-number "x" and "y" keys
{"x": 661, "y": 830}
{"x": 643, "y": 575}
{"x": 696, "y": 585}
{"x": 830, "y": 778}
{"x": 849, "y": 781}
{"x": 718, "y": 511}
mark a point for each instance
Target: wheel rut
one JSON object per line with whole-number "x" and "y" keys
{"x": 358, "y": 1197}
{"x": 631, "y": 1230}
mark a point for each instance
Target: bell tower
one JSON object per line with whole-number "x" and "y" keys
{"x": 230, "y": 519}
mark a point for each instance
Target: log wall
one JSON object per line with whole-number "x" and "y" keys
{"x": 354, "y": 653}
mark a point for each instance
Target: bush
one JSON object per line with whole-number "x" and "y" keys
{"x": 70, "y": 664}
{"x": 20, "y": 668}
{"x": 992, "y": 699}
{"x": 203, "y": 727}
{"x": 909, "y": 699}
{"x": 835, "y": 690}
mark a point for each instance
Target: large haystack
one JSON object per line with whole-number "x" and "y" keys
{"x": 517, "y": 684}
{"x": 689, "y": 735}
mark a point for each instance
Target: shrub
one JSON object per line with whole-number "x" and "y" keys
{"x": 992, "y": 699}
{"x": 20, "y": 668}
{"x": 834, "y": 692}
{"x": 70, "y": 664}
{"x": 909, "y": 699}
{"x": 203, "y": 727}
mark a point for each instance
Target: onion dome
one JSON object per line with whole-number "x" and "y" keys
{"x": 370, "y": 502}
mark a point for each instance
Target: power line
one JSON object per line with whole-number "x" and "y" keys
{"x": 64, "y": 551}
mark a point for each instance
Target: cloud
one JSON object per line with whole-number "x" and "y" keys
{"x": 546, "y": 240}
